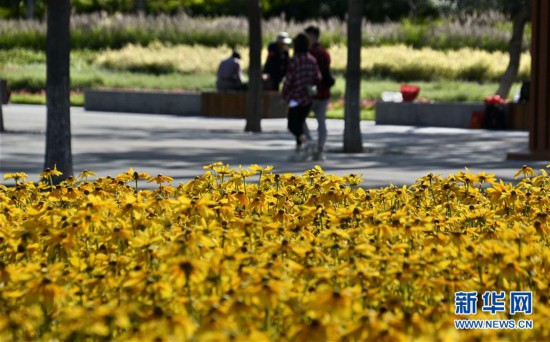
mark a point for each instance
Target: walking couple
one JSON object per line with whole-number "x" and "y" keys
{"x": 307, "y": 87}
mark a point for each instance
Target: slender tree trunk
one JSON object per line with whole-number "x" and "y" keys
{"x": 30, "y": 9}
{"x": 1, "y": 115}
{"x": 511, "y": 73}
{"x": 412, "y": 9}
{"x": 352, "y": 115}
{"x": 16, "y": 8}
{"x": 254, "y": 97}
{"x": 58, "y": 127}
{"x": 139, "y": 6}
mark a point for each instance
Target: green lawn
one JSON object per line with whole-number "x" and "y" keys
{"x": 77, "y": 99}
{"x": 452, "y": 91}
{"x": 366, "y": 114}
{"x": 32, "y": 77}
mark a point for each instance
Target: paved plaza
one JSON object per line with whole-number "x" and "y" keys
{"x": 110, "y": 143}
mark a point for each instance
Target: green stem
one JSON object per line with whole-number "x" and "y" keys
{"x": 267, "y": 321}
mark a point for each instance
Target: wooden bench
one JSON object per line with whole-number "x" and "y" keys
{"x": 233, "y": 104}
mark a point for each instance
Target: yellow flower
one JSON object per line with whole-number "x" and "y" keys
{"x": 353, "y": 179}
{"x": 185, "y": 270}
{"x": 159, "y": 179}
{"x": 126, "y": 176}
{"x": 245, "y": 173}
{"x": 526, "y": 171}
{"x": 49, "y": 173}
{"x": 483, "y": 177}
{"x": 85, "y": 174}
{"x": 133, "y": 175}
{"x": 223, "y": 169}
{"x": 17, "y": 176}
{"x": 258, "y": 168}
{"x": 211, "y": 166}
{"x": 312, "y": 331}
{"x": 497, "y": 191}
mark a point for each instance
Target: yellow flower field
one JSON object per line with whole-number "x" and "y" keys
{"x": 282, "y": 257}
{"x": 398, "y": 61}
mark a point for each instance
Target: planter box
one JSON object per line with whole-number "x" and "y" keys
{"x": 233, "y": 104}
{"x": 457, "y": 115}
{"x": 142, "y": 102}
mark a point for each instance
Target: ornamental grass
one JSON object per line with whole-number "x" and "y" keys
{"x": 397, "y": 62}
{"x": 251, "y": 255}
{"x": 97, "y": 31}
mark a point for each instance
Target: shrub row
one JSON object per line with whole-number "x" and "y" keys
{"x": 394, "y": 62}
{"x": 98, "y": 31}
{"x": 295, "y": 9}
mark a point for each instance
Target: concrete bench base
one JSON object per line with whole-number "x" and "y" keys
{"x": 457, "y": 115}
{"x": 142, "y": 102}
{"x": 230, "y": 104}
{"x": 233, "y": 104}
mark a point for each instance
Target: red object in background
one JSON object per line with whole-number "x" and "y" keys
{"x": 495, "y": 99}
{"x": 477, "y": 119}
{"x": 409, "y": 92}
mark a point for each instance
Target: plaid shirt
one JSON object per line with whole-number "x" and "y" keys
{"x": 302, "y": 71}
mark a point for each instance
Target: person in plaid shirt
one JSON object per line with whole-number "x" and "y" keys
{"x": 302, "y": 72}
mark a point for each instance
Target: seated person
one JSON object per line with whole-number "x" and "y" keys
{"x": 230, "y": 75}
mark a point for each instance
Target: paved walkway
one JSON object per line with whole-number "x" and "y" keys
{"x": 110, "y": 143}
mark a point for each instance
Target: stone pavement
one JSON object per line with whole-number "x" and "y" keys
{"x": 110, "y": 143}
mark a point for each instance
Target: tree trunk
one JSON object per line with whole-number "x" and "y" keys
{"x": 30, "y": 9}
{"x": 352, "y": 116}
{"x": 511, "y": 73}
{"x": 58, "y": 127}
{"x": 16, "y": 5}
{"x": 254, "y": 97}
{"x": 412, "y": 9}
{"x": 1, "y": 115}
{"x": 139, "y": 6}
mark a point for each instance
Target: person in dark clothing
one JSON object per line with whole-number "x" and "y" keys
{"x": 320, "y": 102}
{"x": 229, "y": 76}
{"x": 302, "y": 74}
{"x": 277, "y": 60}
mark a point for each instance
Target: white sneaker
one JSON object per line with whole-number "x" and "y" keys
{"x": 307, "y": 149}
{"x": 296, "y": 154}
{"x": 319, "y": 156}
{"x": 294, "y": 157}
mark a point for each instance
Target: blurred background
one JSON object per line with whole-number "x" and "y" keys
{"x": 455, "y": 50}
